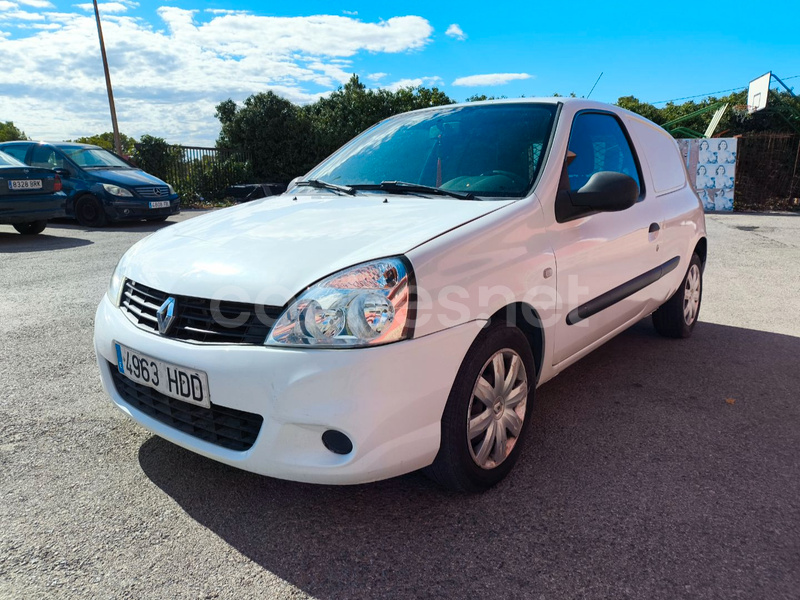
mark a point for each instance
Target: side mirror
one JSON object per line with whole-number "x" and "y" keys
{"x": 62, "y": 172}
{"x": 606, "y": 191}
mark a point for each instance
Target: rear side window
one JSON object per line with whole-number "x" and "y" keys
{"x": 44, "y": 156}
{"x": 17, "y": 152}
{"x": 667, "y": 166}
{"x": 599, "y": 144}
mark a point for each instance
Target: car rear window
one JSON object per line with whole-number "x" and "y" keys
{"x": 9, "y": 161}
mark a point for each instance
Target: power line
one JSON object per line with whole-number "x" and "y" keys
{"x": 736, "y": 89}
{"x": 699, "y": 95}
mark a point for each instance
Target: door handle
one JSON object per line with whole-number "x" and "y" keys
{"x": 653, "y": 228}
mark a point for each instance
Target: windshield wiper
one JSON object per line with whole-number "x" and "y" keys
{"x": 404, "y": 187}
{"x": 324, "y": 185}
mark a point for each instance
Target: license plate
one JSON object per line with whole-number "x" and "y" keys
{"x": 171, "y": 380}
{"x": 25, "y": 184}
{"x": 160, "y": 204}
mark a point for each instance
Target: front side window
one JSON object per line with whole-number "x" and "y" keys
{"x": 599, "y": 144}
{"x": 488, "y": 150}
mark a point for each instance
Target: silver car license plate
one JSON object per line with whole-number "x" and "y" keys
{"x": 160, "y": 204}
{"x": 25, "y": 184}
{"x": 171, "y": 380}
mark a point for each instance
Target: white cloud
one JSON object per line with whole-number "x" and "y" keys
{"x": 5, "y": 5}
{"x": 20, "y": 15}
{"x": 455, "y": 31}
{"x": 414, "y": 83}
{"x": 490, "y": 79}
{"x": 226, "y": 11}
{"x": 104, "y": 7}
{"x": 168, "y": 77}
{"x": 352, "y": 13}
{"x": 376, "y": 76}
{"x": 37, "y": 3}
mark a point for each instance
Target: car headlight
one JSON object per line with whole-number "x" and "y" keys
{"x": 115, "y": 285}
{"x": 364, "y": 305}
{"x": 115, "y": 190}
{"x": 171, "y": 190}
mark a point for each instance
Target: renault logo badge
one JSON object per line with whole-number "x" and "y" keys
{"x": 166, "y": 315}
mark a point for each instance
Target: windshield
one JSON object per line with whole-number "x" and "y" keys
{"x": 94, "y": 157}
{"x": 487, "y": 150}
{"x": 9, "y": 161}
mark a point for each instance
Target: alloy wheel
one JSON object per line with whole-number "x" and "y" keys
{"x": 497, "y": 409}
{"x": 691, "y": 294}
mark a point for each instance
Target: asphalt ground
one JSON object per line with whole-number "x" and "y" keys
{"x": 655, "y": 468}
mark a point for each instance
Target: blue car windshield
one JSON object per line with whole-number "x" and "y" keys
{"x": 95, "y": 157}
{"x": 488, "y": 150}
{"x": 9, "y": 161}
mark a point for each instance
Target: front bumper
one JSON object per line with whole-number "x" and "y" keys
{"x": 119, "y": 209}
{"x": 388, "y": 400}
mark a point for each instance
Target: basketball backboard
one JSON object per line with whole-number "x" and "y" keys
{"x": 758, "y": 93}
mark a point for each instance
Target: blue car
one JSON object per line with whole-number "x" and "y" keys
{"x": 100, "y": 186}
{"x": 28, "y": 196}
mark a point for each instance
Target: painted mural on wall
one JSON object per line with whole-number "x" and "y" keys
{"x": 711, "y": 164}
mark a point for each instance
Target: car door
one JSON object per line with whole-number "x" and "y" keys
{"x": 48, "y": 157}
{"x": 602, "y": 258}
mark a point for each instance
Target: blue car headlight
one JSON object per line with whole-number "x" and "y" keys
{"x": 115, "y": 190}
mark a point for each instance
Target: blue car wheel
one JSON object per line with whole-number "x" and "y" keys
{"x": 89, "y": 212}
{"x": 31, "y": 228}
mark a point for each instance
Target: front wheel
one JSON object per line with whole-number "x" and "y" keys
{"x": 31, "y": 228}
{"x": 677, "y": 317}
{"x": 90, "y": 212}
{"x": 487, "y": 412}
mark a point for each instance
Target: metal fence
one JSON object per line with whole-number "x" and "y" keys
{"x": 768, "y": 172}
{"x": 206, "y": 172}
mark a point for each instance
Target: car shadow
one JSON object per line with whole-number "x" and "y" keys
{"x": 117, "y": 226}
{"x": 11, "y": 243}
{"x": 654, "y": 468}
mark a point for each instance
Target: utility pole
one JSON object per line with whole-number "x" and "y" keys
{"x": 117, "y": 144}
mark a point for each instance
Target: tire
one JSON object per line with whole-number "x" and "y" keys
{"x": 31, "y": 228}
{"x": 677, "y": 317}
{"x": 90, "y": 212}
{"x": 157, "y": 219}
{"x": 463, "y": 463}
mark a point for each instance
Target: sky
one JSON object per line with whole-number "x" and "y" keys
{"x": 173, "y": 61}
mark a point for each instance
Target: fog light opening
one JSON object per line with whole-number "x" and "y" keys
{"x": 337, "y": 442}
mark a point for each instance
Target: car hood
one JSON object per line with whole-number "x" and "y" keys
{"x": 126, "y": 177}
{"x": 267, "y": 251}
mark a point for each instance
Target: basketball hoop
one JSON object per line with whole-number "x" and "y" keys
{"x": 758, "y": 93}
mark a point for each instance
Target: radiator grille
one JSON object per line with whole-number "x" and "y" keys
{"x": 198, "y": 319}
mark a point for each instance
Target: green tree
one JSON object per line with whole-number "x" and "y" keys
{"x": 735, "y": 121}
{"x": 9, "y": 132}
{"x": 156, "y": 156}
{"x": 106, "y": 140}
{"x": 482, "y": 97}
{"x": 274, "y": 132}
{"x": 648, "y": 111}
